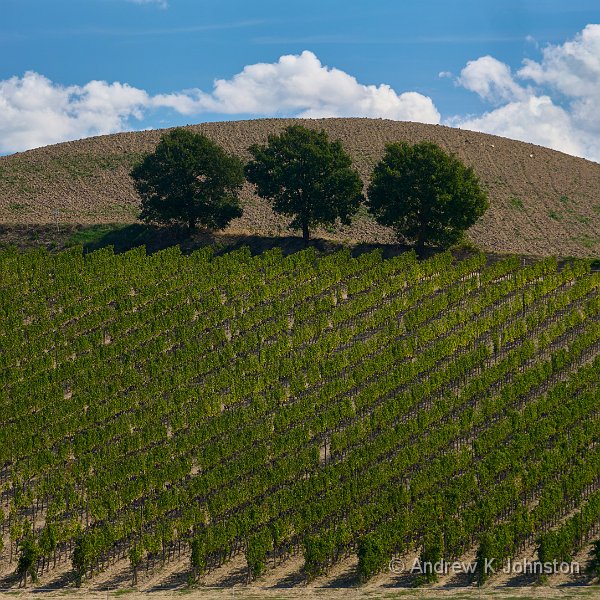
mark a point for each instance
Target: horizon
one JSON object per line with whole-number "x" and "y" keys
{"x": 226, "y": 121}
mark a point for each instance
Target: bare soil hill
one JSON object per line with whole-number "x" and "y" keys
{"x": 542, "y": 202}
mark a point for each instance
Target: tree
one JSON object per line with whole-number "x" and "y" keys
{"x": 426, "y": 195}
{"x": 189, "y": 179}
{"x": 307, "y": 177}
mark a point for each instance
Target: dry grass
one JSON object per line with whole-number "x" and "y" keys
{"x": 542, "y": 202}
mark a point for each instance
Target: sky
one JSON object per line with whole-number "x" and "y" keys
{"x": 524, "y": 69}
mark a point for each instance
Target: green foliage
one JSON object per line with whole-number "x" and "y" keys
{"x": 189, "y": 179}
{"x": 48, "y": 539}
{"x": 198, "y": 555}
{"x": 431, "y": 554}
{"x": 594, "y": 563}
{"x": 136, "y": 553}
{"x": 257, "y": 548}
{"x": 517, "y": 204}
{"x": 169, "y": 401}
{"x": 562, "y": 543}
{"x": 487, "y": 558}
{"x": 318, "y": 552}
{"x": 426, "y": 195}
{"x": 307, "y": 177}
{"x": 28, "y": 555}
{"x": 81, "y": 558}
{"x": 373, "y": 555}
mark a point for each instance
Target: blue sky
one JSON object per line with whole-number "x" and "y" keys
{"x": 526, "y": 69}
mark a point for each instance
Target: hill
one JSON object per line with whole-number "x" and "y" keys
{"x": 543, "y": 202}
{"x": 195, "y": 414}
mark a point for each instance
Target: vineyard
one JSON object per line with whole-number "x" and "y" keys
{"x": 202, "y": 407}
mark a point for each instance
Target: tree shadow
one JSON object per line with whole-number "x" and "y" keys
{"x": 124, "y": 237}
{"x": 155, "y": 238}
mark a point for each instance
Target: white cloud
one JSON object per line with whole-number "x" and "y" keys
{"x": 300, "y": 85}
{"x": 573, "y": 68}
{"x": 536, "y": 120}
{"x": 492, "y": 80}
{"x": 35, "y": 111}
{"x": 552, "y": 102}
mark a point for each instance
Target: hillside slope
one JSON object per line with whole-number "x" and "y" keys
{"x": 292, "y": 410}
{"x": 542, "y": 202}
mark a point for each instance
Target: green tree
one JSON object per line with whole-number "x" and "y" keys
{"x": 426, "y": 195}
{"x": 307, "y": 177}
{"x": 189, "y": 179}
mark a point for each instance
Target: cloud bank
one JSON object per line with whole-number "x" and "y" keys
{"x": 551, "y": 102}
{"x": 35, "y": 111}
{"x": 300, "y": 85}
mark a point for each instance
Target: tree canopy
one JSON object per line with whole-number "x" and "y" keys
{"x": 189, "y": 179}
{"x": 307, "y": 177}
{"x": 425, "y": 194}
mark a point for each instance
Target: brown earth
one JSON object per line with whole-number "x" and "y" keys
{"x": 543, "y": 202}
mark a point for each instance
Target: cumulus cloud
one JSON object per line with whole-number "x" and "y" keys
{"x": 572, "y": 68}
{"x": 35, "y": 111}
{"x": 492, "y": 80}
{"x": 300, "y": 85}
{"x": 535, "y": 119}
{"x": 552, "y": 102}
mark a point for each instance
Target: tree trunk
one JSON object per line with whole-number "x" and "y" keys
{"x": 420, "y": 246}
{"x": 305, "y": 234}
{"x": 191, "y": 224}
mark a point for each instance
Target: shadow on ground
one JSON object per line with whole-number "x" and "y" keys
{"x": 125, "y": 237}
